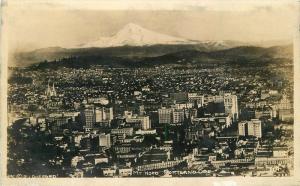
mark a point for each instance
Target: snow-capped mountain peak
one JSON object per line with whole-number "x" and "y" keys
{"x": 131, "y": 27}
{"x": 135, "y": 35}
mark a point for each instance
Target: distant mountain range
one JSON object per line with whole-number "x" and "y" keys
{"x": 135, "y": 43}
{"x": 257, "y": 56}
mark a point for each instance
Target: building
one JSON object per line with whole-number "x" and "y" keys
{"x": 142, "y": 121}
{"x": 87, "y": 116}
{"x": 125, "y": 171}
{"x": 196, "y": 98}
{"x": 109, "y": 172}
{"x": 286, "y": 115}
{"x": 242, "y": 128}
{"x": 158, "y": 166}
{"x": 178, "y": 116}
{"x": 125, "y": 131}
{"x": 280, "y": 152}
{"x": 165, "y": 115}
{"x": 128, "y": 114}
{"x": 254, "y": 128}
{"x": 284, "y": 103}
{"x": 250, "y": 128}
{"x": 266, "y": 112}
{"x": 50, "y": 91}
{"x": 223, "y": 121}
{"x": 145, "y": 122}
{"x": 104, "y": 140}
{"x": 156, "y": 155}
{"x": 103, "y": 114}
{"x": 145, "y": 132}
{"x": 98, "y": 100}
{"x": 183, "y": 105}
{"x": 100, "y": 159}
{"x": 75, "y": 160}
{"x": 231, "y": 106}
{"x": 179, "y": 96}
{"x": 228, "y": 101}
{"x": 273, "y": 161}
{"x": 56, "y": 124}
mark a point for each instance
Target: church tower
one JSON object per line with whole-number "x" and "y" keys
{"x": 53, "y": 91}
{"x": 50, "y": 91}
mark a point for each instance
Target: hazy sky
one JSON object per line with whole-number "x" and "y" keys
{"x": 53, "y": 24}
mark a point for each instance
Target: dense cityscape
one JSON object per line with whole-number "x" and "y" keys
{"x": 161, "y": 121}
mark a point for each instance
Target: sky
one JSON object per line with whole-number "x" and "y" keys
{"x": 68, "y": 23}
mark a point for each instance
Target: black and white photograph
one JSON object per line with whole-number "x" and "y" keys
{"x": 129, "y": 90}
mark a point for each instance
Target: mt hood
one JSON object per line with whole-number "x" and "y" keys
{"x": 135, "y": 35}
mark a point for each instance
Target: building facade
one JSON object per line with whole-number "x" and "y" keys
{"x": 165, "y": 115}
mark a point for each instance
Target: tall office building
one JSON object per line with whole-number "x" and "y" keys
{"x": 87, "y": 116}
{"x": 254, "y": 128}
{"x": 104, "y": 114}
{"x": 145, "y": 122}
{"x": 104, "y": 140}
{"x": 250, "y": 128}
{"x": 231, "y": 106}
{"x": 178, "y": 116}
{"x": 242, "y": 128}
{"x": 165, "y": 115}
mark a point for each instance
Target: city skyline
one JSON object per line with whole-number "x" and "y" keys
{"x": 176, "y": 90}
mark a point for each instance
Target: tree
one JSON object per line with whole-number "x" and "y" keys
{"x": 200, "y": 112}
{"x": 166, "y": 132}
{"x": 150, "y": 140}
{"x": 32, "y": 108}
